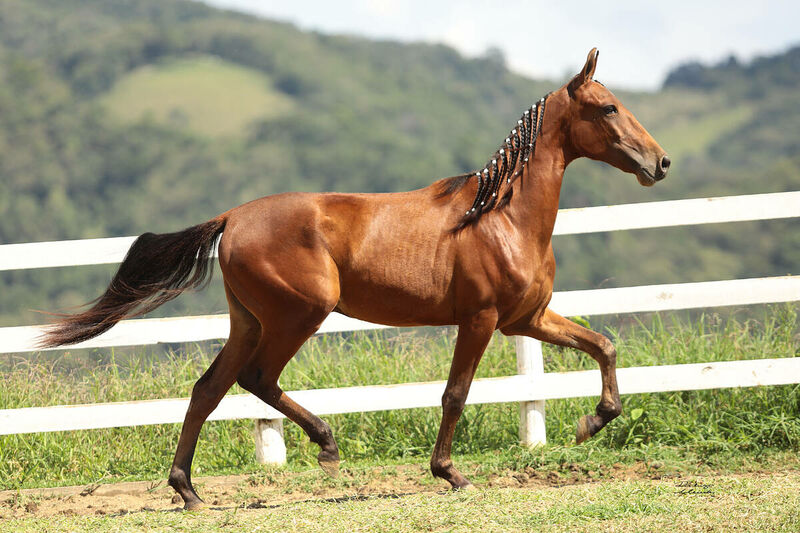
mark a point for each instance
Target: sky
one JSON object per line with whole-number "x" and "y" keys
{"x": 639, "y": 41}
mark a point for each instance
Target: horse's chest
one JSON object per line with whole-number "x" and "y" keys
{"x": 524, "y": 285}
{"x": 521, "y": 285}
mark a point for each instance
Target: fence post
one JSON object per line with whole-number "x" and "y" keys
{"x": 531, "y": 414}
{"x": 270, "y": 447}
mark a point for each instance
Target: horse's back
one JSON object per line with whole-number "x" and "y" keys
{"x": 374, "y": 254}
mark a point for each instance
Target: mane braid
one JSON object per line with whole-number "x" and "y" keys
{"x": 529, "y": 128}
{"x": 505, "y": 165}
{"x": 515, "y": 153}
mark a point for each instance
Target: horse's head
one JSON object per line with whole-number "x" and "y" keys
{"x": 599, "y": 127}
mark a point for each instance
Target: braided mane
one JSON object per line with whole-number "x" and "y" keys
{"x": 505, "y": 164}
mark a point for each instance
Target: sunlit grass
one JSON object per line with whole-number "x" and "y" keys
{"x": 202, "y": 94}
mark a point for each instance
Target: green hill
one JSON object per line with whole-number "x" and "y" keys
{"x": 202, "y": 94}
{"x": 118, "y": 118}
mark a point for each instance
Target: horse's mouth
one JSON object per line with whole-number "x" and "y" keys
{"x": 646, "y": 177}
{"x": 646, "y": 174}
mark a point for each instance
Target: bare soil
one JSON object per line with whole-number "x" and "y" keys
{"x": 279, "y": 487}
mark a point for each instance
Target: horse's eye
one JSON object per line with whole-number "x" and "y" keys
{"x": 609, "y": 109}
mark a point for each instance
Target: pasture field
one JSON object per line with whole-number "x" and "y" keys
{"x": 203, "y": 94}
{"x": 742, "y": 442}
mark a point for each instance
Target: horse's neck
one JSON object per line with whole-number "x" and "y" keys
{"x": 534, "y": 205}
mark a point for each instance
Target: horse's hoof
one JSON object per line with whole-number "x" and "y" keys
{"x": 585, "y": 429}
{"x": 469, "y": 487}
{"x": 329, "y": 467}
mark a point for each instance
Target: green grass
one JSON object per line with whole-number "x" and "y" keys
{"x": 206, "y": 95}
{"x": 730, "y": 503}
{"x": 722, "y": 429}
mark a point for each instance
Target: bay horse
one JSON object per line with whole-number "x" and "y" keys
{"x": 473, "y": 251}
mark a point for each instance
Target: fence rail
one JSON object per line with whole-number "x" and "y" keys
{"x": 570, "y": 221}
{"x": 532, "y": 386}
{"x": 520, "y": 388}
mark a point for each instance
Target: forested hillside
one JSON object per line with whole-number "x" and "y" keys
{"x": 118, "y": 118}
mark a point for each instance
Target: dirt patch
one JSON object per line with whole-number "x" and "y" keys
{"x": 278, "y": 487}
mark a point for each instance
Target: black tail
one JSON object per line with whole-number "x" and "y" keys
{"x": 156, "y": 269}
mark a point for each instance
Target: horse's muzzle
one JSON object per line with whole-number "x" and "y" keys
{"x": 648, "y": 177}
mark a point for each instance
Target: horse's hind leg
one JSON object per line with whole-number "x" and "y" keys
{"x": 290, "y": 294}
{"x": 555, "y": 329}
{"x": 207, "y": 393}
{"x": 260, "y": 377}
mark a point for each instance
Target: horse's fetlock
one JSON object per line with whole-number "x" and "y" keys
{"x": 177, "y": 478}
{"x": 440, "y": 468}
{"x": 609, "y": 410}
{"x": 322, "y": 436}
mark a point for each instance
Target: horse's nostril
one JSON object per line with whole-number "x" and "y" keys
{"x": 665, "y": 162}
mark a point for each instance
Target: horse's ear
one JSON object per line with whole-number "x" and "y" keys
{"x": 591, "y": 64}
{"x": 586, "y": 74}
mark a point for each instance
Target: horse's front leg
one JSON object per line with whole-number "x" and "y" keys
{"x": 473, "y": 336}
{"x": 555, "y": 329}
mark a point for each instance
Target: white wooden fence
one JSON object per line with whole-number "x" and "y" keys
{"x": 531, "y": 386}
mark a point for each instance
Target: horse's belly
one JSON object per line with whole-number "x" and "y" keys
{"x": 395, "y": 302}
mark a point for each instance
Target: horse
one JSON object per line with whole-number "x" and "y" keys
{"x": 472, "y": 251}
